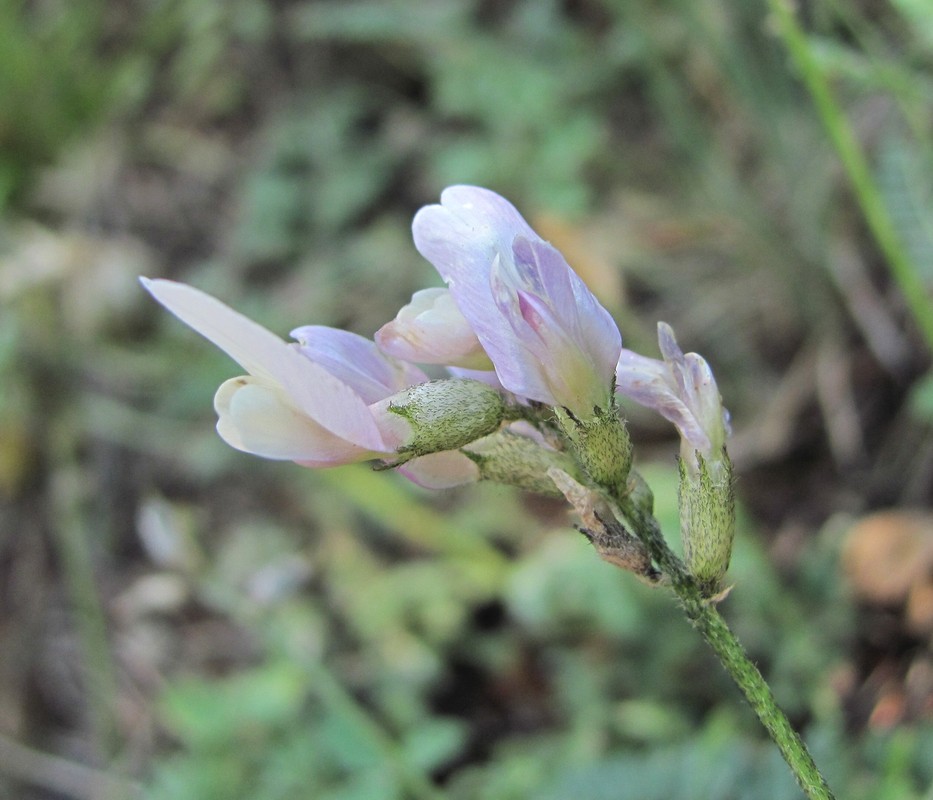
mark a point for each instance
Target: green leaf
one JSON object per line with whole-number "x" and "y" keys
{"x": 246, "y": 706}
{"x": 434, "y": 742}
{"x": 564, "y": 585}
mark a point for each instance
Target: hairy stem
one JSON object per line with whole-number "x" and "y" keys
{"x": 707, "y": 620}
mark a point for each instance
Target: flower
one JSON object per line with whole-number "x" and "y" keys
{"x": 306, "y": 402}
{"x": 332, "y": 397}
{"x": 682, "y": 389}
{"x": 431, "y": 330}
{"x": 546, "y": 334}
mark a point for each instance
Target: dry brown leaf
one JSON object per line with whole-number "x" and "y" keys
{"x": 887, "y": 554}
{"x": 920, "y": 608}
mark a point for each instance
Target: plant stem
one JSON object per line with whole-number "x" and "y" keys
{"x": 856, "y": 166}
{"x": 730, "y": 652}
{"x": 706, "y": 619}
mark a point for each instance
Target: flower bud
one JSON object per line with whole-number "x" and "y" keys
{"x": 441, "y": 415}
{"x": 602, "y": 445}
{"x": 522, "y": 461}
{"x": 431, "y": 330}
{"x": 682, "y": 389}
{"x": 707, "y": 519}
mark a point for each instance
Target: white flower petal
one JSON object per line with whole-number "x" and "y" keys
{"x": 356, "y": 361}
{"x": 257, "y": 417}
{"x": 311, "y": 388}
{"x": 253, "y": 347}
{"x": 497, "y": 268}
{"x": 681, "y": 388}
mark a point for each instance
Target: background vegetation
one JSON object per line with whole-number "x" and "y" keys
{"x": 179, "y": 620}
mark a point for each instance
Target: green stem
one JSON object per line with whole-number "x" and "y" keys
{"x": 856, "y": 166}
{"x": 713, "y": 628}
{"x": 730, "y": 652}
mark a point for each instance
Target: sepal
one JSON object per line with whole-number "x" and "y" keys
{"x": 441, "y": 415}
{"x": 707, "y": 518}
{"x": 602, "y": 445}
{"x": 517, "y": 460}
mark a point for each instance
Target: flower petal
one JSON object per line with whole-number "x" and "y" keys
{"x": 462, "y": 234}
{"x": 431, "y": 330}
{"x": 311, "y": 388}
{"x": 441, "y": 470}
{"x": 356, "y": 361}
{"x": 713, "y": 418}
{"x": 257, "y": 417}
{"x": 331, "y": 403}
{"x": 681, "y": 388}
{"x": 461, "y": 238}
{"x": 520, "y": 297}
{"x": 580, "y": 314}
{"x": 253, "y": 347}
{"x": 650, "y": 383}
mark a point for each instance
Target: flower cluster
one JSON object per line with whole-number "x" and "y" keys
{"x": 532, "y": 369}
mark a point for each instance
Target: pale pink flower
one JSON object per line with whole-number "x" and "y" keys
{"x": 320, "y": 401}
{"x": 682, "y": 389}
{"x": 546, "y": 334}
{"x": 431, "y": 330}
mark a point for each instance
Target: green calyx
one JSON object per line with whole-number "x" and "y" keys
{"x": 707, "y": 519}
{"x": 520, "y": 461}
{"x": 602, "y": 446}
{"x": 447, "y": 415}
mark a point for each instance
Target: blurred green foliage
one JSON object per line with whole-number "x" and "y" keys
{"x": 52, "y": 83}
{"x": 278, "y": 633}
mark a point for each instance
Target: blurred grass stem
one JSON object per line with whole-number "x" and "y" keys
{"x": 73, "y": 544}
{"x": 389, "y": 503}
{"x": 856, "y": 166}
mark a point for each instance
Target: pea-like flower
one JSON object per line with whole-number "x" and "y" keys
{"x": 327, "y": 399}
{"x": 306, "y": 401}
{"x": 682, "y": 389}
{"x": 546, "y": 334}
